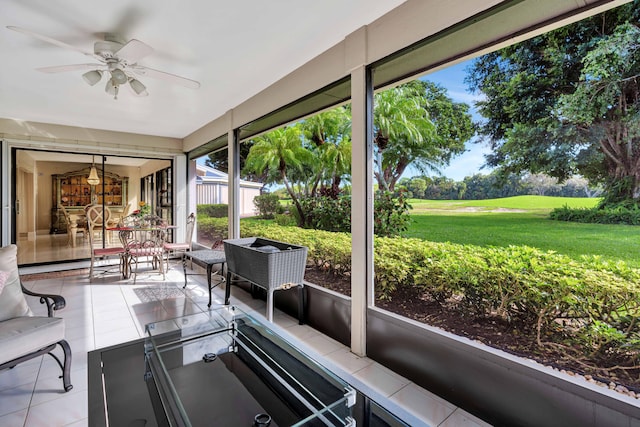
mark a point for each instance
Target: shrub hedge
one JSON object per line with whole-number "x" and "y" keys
{"x": 213, "y": 210}
{"x": 267, "y": 205}
{"x": 592, "y": 303}
{"x": 621, "y": 214}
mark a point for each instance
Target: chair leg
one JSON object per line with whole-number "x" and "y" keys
{"x": 66, "y": 371}
{"x": 66, "y": 367}
{"x": 135, "y": 273}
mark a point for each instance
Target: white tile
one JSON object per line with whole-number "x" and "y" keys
{"x": 51, "y": 388}
{"x": 460, "y": 418}
{"x": 14, "y": 419}
{"x": 80, "y": 423}
{"x": 111, "y": 311}
{"x": 283, "y": 320}
{"x": 381, "y": 379}
{"x": 119, "y": 336}
{"x": 69, "y": 408}
{"x": 105, "y": 326}
{"x": 14, "y": 399}
{"x": 78, "y": 330}
{"x": 423, "y": 404}
{"x": 50, "y": 367}
{"x": 24, "y": 373}
{"x": 323, "y": 344}
{"x": 147, "y": 307}
{"x": 182, "y": 308}
{"x": 348, "y": 361}
{"x": 302, "y": 332}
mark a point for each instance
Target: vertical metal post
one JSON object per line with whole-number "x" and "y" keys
{"x": 234, "y": 184}
{"x": 361, "y": 205}
{"x": 104, "y": 216}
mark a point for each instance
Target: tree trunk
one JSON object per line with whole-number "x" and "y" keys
{"x": 296, "y": 202}
{"x": 621, "y": 147}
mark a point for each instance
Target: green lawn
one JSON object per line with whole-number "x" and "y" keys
{"x": 534, "y": 203}
{"x": 495, "y": 223}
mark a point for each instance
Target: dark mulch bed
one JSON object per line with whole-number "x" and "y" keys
{"x": 493, "y": 332}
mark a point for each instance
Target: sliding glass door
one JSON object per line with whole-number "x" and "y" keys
{"x": 53, "y": 191}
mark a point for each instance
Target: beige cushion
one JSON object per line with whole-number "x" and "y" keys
{"x": 24, "y": 335}
{"x": 12, "y": 301}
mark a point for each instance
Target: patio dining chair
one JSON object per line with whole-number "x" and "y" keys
{"x": 171, "y": 249}
{"x": 144, "y": 245}
{"x": 98, "y": 218}
{"x": 97, "y": 251}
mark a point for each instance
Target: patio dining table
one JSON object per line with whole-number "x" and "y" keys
{"x": 75, "y": 218}
{"x": 142, "y": 241}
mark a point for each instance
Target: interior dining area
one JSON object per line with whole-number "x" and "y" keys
{"x": 54, "y": 191}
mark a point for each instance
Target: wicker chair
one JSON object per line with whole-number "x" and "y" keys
{"x": 24, "y": 336}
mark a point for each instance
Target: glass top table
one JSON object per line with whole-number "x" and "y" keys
{"x": 223, "y": 367}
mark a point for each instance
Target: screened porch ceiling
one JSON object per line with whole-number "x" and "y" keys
{"x": 236, "y": 50}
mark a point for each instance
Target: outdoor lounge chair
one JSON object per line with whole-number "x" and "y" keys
{"x": 24, "y": 336}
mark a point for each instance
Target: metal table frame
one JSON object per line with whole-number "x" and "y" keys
{"x": 208, "y": 258}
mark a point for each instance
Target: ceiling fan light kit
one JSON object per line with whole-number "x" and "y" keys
{"x": 138, "y": 87}
{"x": 112, "y": 89}
{"x": 119, "y": 76}
{"x": 119, "y": 59}
{"x": 92, "y": 77}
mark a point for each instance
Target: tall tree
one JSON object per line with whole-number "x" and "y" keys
{"x": 417, "y": 124}
{"x": 329, "y": 136}
{"x": 552, "y": 107}
{"x": 220, "y": 160}
{"x": 605, "y": 108}
{"x": 280, "y": 150}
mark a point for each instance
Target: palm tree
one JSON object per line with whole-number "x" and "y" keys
{"x": 280, "y": 151}
{"x": 329, "y": 134}
{"x": 402, "y": 133}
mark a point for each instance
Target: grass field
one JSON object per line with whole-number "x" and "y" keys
{"x": 522, "y": 220}
{"x": 543, "y": 204}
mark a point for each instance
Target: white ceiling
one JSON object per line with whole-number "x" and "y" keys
{"x": 234, "y": 48}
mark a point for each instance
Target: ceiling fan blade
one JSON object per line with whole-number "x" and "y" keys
{"x": 134, "y": 51}
{"x": 51, "y": 41}
{"x": 74, "y": 67}
{"x": 172, "y": 78}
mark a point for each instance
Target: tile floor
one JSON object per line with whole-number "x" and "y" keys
{"x": 110, "y": 311}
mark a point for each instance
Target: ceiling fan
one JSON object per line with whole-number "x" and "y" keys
{"x": 118, "y": 60}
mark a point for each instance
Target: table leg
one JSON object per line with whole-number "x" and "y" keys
{"x": 227, "y": 289}
{"x": 73, "y": 231}
{"x": 209, "y": 268}
{"x": 126, "y": 266}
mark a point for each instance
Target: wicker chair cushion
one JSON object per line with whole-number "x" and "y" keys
{"x": 12, "y": 301}
{"x": 24, "y": 335}
{"x": 267, "y": 249}
{"x": 176, "y": 246}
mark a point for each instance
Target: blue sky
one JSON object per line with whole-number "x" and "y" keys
{"x": 469, "y": 163}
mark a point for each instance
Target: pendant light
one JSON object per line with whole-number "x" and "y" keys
{"x": 93, "y": 174}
